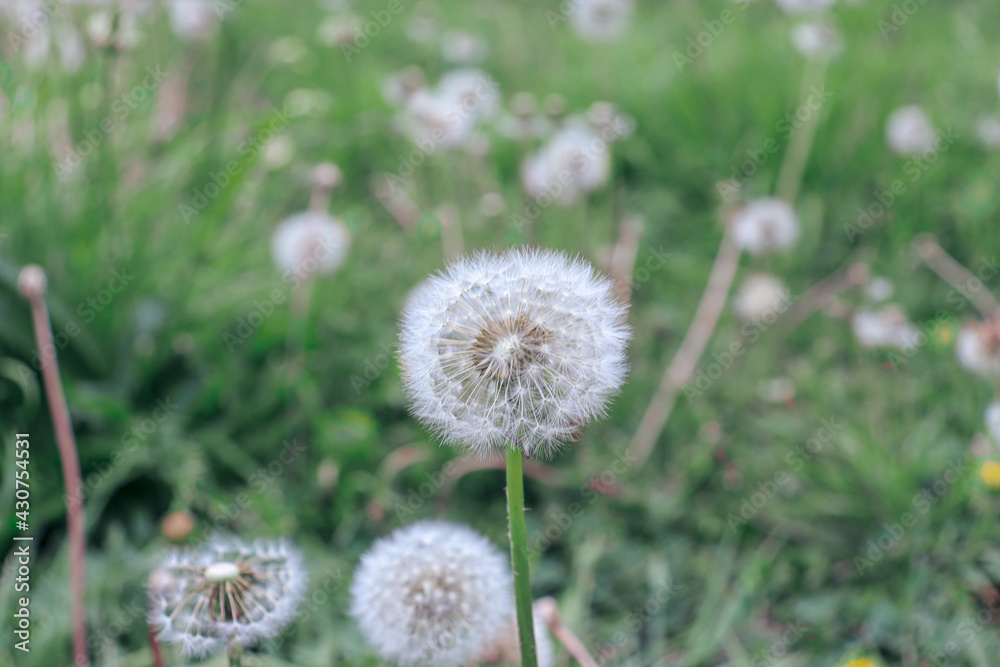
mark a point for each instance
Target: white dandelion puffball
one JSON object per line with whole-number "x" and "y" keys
{"x": 978, "y": 350}
{"x": 992, "y": 419}
{"x": 448, "y": 114}
{"x": 879, "y": 288}
{"x": 908, "y": 131}
{"x": 463, "y": 48}
{"x": 576, "y": 160}
{"x": 817, "y": 40}
{"x": 760, "y": 294}
{"x": 764, "y": 225}
{"x": 202, "y": 599}
{"x": 192, "y": 19}
{"x": 988, "y": 132}
{"x": 310, "y": 242}
{"x": 601, "y": 20}
{"x": 432, "y": 593}
{"x": 523, "y": 347}
{"x": 886, "y": 327}
{"x": 803, "y": 6}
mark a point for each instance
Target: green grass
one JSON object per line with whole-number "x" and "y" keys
{"x": 651, "y": 571}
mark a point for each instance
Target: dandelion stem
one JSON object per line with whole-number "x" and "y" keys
{"x": 32, "y": 282}
{"x": 519, "y": 556}
{"x": 794, "y": 164}
{"x": 956, "y": 275}
{"x": 234, "y": 654}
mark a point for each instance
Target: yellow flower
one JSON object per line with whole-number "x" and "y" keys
{"x": 862, "y": 662}
{"x": 989, "y": 472}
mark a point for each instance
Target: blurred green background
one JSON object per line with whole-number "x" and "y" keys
{"x": 172, "y": 415}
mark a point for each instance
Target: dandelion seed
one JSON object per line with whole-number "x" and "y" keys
{"x": 908, "y": 131}
{"x": 433, "y": 593}
{"x": 227, "y": 591}
{"x": 765, "y": 225}
{"x": 523, "y": 347}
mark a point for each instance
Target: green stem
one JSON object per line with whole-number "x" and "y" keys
{"x": 234, "y": 652}
{"x": 519, "y": 556}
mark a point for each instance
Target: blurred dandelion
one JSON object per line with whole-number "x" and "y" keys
{"x": 908, "y": 131}
{"x": 432, "y": 593}
{"x": 227, "y": 593}
{"x": 765, "y": 225}
{"x": 601, "y": 20}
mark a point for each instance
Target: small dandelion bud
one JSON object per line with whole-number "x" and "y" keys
{"x": 908, "y": 131}
{"x": 327, "y": 176}
{"x": 32, "y": 282}
{"x": 601, "y": 20}
{"x": 227, "y": 591}
{"x": 176, "y": 526}
{"x": 764, "y": 225}
{"x": 760, "y": 294}
{"x": 817, "y": 40}
{"x": 310, "y": 242}
{"x": 978, "y": 348}
{"x": 885, "y": 327}
{"x": 525, "y": 347}
{"x": 992, "y": 419}
{"x": 433, "y": 593}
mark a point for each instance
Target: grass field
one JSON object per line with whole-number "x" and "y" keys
{"x": 809, "y": 501}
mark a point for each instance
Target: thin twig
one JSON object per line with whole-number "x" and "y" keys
{"x": 548, "y": 611}
{"x": 622, "y": 264}
{"x": 686, "y": 358}
{"x": 32, "y": 283}
{"x": 956, "y": 275}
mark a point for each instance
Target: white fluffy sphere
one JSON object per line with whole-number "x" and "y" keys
{"x": 908, "y": 131}
{"x": 764, "y": 225}
{"x": 523, "y": 347}
{"x": 310, "y": 242}
{"x": 432, "y": 593}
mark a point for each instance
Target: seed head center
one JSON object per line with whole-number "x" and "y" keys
{"x": 503, "y": 350}
{"x": 220, "y": 572}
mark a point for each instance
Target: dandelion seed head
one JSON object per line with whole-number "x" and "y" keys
{"x": 765, "y": 225}
{"x": 978, "y": 348}
{"x": 576, "y": 160}
{"x": 525, "y": 347}
{"x": 310, "y": 242}
{"x": 885, "y": 327}
{"x": 432, "y": 593}
{"x": 817, "y": 40}
{"x": 909, "y": 131}
{"x": 760, "y": 294}
{"x": 227, "y": 590}
{"x": 601, "y": 20}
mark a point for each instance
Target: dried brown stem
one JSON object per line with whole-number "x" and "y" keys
{"x": 154, "y": 648}
{"x": 956, "y": 275}
{"x": 685, "y": 360}
{"x": 623, "y": 257}
{"x": 548, "y": 611}
{"x": 32, "y": 283}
